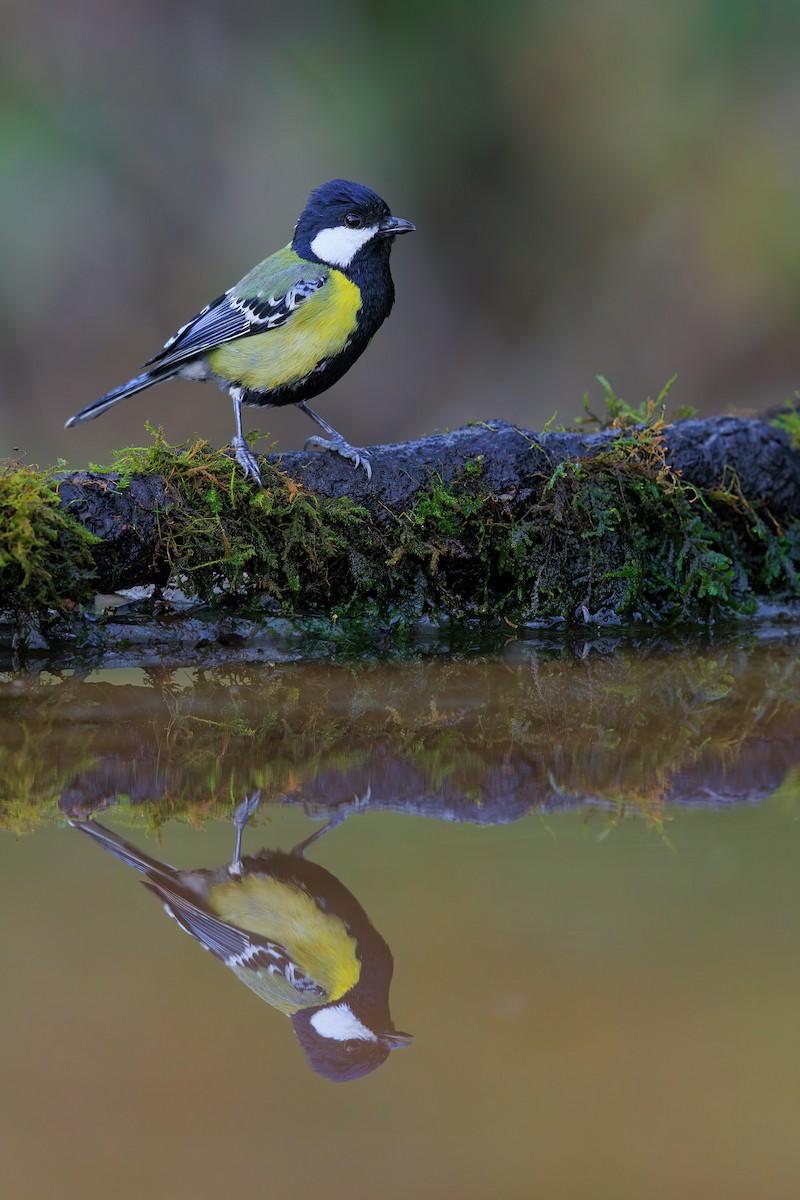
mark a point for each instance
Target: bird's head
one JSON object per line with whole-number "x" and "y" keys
{"x": 339, "y": 1045}
{"x": 342, "y": 221}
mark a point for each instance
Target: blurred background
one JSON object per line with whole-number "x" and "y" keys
{"x": 609, "y": 187}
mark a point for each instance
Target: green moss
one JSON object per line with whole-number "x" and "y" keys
{"x": 45, "y": 556}
{"x": 618, "y": 536}
{"x": 222, "y": 534}
{"x": 626, "y": 536}
{"x": 789, "y": 422}
{"x": 618, "y": 414}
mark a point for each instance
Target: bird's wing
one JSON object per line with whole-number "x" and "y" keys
{"x": 263, "y": 300}
{"x": 236, "y": 947}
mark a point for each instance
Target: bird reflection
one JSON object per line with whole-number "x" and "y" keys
{"x": 294, "y": 934}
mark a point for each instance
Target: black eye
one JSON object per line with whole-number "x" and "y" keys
{"x": 353, "y": 221}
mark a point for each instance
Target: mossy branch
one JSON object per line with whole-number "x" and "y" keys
{"x": 649, "y": 522}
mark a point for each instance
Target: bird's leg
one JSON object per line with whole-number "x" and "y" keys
{"x": 335, "y": 442}
{"x": 345, "y": 811}
{"x": 301, "y": 847}
{"x": 241, "y": 816}
{"x": 244, "y": 456}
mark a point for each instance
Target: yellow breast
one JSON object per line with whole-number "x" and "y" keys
{"x": 318, "y": 942}
{"x": 317, "y": 330}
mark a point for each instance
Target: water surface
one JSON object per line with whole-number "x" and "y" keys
{"x": 583, "y": 859}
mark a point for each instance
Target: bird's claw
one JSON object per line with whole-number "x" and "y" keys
{"x": 246, "y": 460}
{"x": 338, "y": 445}
{"x": 245, "y": 809}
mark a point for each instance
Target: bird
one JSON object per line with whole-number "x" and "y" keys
{"x": 294, "y": 324}
{"x": 293, "y": 933}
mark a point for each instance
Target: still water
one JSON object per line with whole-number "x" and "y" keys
{"x": 568, "y": 871}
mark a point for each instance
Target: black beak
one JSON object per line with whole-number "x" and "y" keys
{"x": 394, "y": 225}
{"x": 395, "y": 1041}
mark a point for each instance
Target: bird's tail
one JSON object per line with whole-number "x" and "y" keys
{"x": 123, "y": 850}
{"x": 145, "y": 380}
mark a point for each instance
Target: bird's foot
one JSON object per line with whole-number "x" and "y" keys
{"x": 338, "y": 445}
{"x": 246, "y": 460}
{"x": 241, "y": 816}
{"x": 245, "y": 809}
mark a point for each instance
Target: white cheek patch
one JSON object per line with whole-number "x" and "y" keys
{"x": 340, "y": 1023}
{"x": 338, "y": 246}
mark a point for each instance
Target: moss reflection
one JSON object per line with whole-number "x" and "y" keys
{"x": 490, "y": 740}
